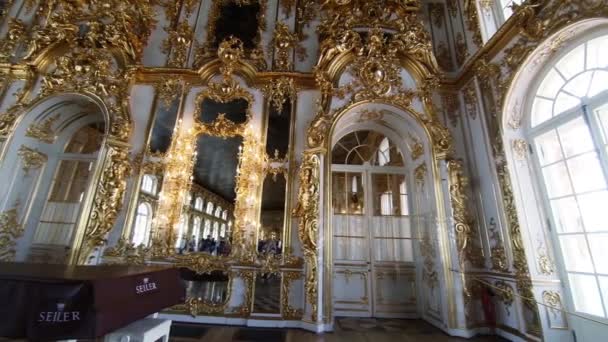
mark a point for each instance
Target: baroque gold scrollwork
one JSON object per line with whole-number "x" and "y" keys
{"x": 32, "y": 158}
{"x": 279, "y": 90}
{"x": 10, "y": 231}
{"x": 307, "y": 210}
{"x": 107, "y": 201}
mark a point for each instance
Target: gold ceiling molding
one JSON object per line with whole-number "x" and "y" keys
{"x": 126, "y": 27}
{"x": 307, "y": 212}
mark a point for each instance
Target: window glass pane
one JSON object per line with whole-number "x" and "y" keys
{"x": 586, "y": 294}
{"x": 602, "y": 117}
{"x": 542, "y": 110}
{"x": 597, "y": 50}
{"x": 576, "y": 253}
{"x": 338, "y": 192}
{"x": 566, "y": 215}
{"x": 586, "y": 173}
{"x": 387, "y": 191}
{"x": 347, "y": 193}
{"x": 548, "y": 147}
{"x": 593, "y": 210}
{"x": 564, "y": 102}
{"x": 556, "y": 180}
{"x": 599, "y": 251}
{"x": 573, "y": 62}
{"x": 599, "y": 83}
{"x": 575, "y": 137}
{"x": 551, "y": 84}
{"x": 579, "y": 85}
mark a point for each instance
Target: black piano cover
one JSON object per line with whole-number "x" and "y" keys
{"x": 52, "y": 302}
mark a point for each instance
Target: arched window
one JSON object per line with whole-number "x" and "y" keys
{"x": 181, "y": 233}
{"x": 218, "y": 212}
{"x": 196, "y": 228}
{"x": 225, "y": 215}
{"x": 209, "y": 208}
{"x": 207, "y": 230}
{"x": 198, "y": 204}
{"x": 568, "y": 132}
{"x": 148, "y": 184}
{"x": 143, "y": 220}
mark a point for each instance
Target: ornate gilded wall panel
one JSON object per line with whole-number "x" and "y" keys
{"x": 307, "y": 211}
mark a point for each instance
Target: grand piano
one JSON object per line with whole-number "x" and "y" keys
{"x": 52, "y": 302}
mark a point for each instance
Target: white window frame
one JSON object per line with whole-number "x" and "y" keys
{"x": 586, "y": 110}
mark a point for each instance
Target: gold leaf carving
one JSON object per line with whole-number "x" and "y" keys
{"x": 43, "y": 131}
{"x": 10, "y": 230}
{"x": 307, "y": 210}
{"x": 32, "y": 158}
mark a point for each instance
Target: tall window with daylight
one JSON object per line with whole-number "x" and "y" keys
{"x": 569, "y": 134}
{"x": 143, "y": 221}
{"x": 148, "y": 184}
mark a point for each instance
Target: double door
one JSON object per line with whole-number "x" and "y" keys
{"x": 373, "y": 259}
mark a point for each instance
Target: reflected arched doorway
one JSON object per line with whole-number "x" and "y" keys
{"x": 373, "y": 257}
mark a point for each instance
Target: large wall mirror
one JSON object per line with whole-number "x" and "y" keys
{"x": 151, "y": 173}
{"x": 274, "y": 205}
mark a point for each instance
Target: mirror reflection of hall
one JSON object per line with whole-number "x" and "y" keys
{"x": 286, "y": 170}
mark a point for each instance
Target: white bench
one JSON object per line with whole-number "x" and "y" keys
{"x": 144, "y": 330}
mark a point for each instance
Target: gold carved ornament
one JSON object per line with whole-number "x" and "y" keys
{"x": 279, "y": 91}
{"x": 282, "y": 43}
{"x": 307, "y": 210}
{"x": 10, "y": 231}
{"x": 169, "y": 90}
{"x": 420, "y": 174}
{"x": 125, "y": 28}
{"x": 472, "y": 20}
{"x": 107, "y": 201}
{"x": 451, "y": 106}
{"x": 43, "y": 131}
{"x": 125, "y": 252}
{"x": 220, "y": 127}
{"x": 520, "y": 263}
{"x": 429, "y": 253}
{"x": 32, "y": 158}
{"x": 462, "y": 220}
{"x": 248, "y": 277}
{"x": 14, "y": 36}
{"x": 207, "y": 50}
{"x": 177, "y": 44}
{"x": 276, "y": 166}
